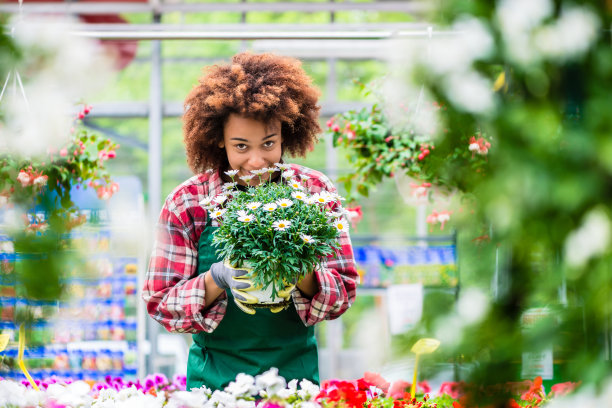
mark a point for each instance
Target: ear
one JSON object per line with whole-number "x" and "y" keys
{"x": 221, "y": 144}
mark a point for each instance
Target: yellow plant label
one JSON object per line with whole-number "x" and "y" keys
{"x": 425, "y": 346}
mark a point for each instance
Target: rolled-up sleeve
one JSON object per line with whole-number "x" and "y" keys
{"x": 173, "y": 291}
{"x": 337, "y": 281}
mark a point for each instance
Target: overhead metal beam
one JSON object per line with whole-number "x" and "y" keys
{"x": 112, "y": 7}
{"x": 175, "y": 109}
{"x": 256, "y": 35}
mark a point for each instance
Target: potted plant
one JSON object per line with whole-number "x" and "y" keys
{"x": 278, "y": 232}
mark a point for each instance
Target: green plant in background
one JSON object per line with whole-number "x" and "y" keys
{"x": 282, "y": 231}
{"x": 544, "y": 192}
{"x": 35, "y": 196}
{"x": 378, "y": 148}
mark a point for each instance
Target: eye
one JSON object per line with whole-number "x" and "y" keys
{"x": 269, "y": 144}
{"x": 241, "y": 146}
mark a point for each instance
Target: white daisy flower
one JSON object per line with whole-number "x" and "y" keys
{"x": 307, "y": 238}
{"x": 258, "y": 172}
{"x": 220, "y": 199}
{"x": 304, "y": 177}
{"x": 284, "y": 203}
{"x": 322, "y": 198}
{"x": 281, "y": 225}
{"x": 206, "y": 201}
{"x": 270, "y": 207}
{"x": 335, "y": 214}
{"x": 231, "y": 173}
{"x": 283, "y": 166}
{"x": 246, "y": 178}
{"x": 296, "y": 184}
{"x": 253, "y": 205}
{"x": 270, "y": 169}
{"x": 336, "y": 197}
{"x": 299, "y": 195}
{"x": 246, "y": 218}
{"x": 217, "y": 212}
{"x": 310, "y": 200}
{"x": 288, "y": 174}
{"x": 229, "y": 186}
{"x": 241, "y": 213}
{"x": 341, "y": 225}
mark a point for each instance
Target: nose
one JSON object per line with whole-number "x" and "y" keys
{"x": 256, "y": 161}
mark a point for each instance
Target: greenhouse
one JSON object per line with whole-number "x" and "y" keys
{"x": 310, "y": 203}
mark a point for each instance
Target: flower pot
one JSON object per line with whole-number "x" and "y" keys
{"x": 264, "y": 297}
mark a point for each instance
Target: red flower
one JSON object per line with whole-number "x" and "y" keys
{"x": 513, "y": 404}
{"x": 535, "y": 392}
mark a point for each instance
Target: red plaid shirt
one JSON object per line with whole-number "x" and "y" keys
{"x": 173, "y": 290}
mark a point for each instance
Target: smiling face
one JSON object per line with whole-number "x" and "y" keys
{"x": 251, "y": 145}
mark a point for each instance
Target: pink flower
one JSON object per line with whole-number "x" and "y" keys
{"x": 104, "y": 193}
{"x": 441, "y": 217}
{"x": 377, "y": 380}
{"x": 351, "y": 135}
{"x": 24, "y": 178}
{"x": 479, "y": 146}
{"x": 63, "y": 152}
{"x": 452, "y": 389}
{"x": 398, "y": 388}
{"x": 564, "y": 388}
{"x": 111, "y": 154}
{"x": 335, "y": 128}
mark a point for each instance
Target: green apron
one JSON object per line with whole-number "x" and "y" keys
{"x": 249, "y": 344}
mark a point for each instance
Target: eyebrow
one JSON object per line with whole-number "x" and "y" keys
{"x": 245, "y": 140}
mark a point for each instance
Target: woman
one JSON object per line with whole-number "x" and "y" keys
{"x": 242, "y": 116}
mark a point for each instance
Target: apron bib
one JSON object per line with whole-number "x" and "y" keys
{"x": 250, "y": 344}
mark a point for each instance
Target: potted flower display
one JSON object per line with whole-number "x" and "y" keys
{"x": 277, "y": 231}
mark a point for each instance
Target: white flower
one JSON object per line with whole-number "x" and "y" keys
{"x": 216, "y": 213}
{"x": 7, "y": 247}
{"x": 243, "y": 385}
{"x": 222, "y": 399}
{"x": 308, "y": 390}
{"x": 270, "y": 381}
{"x": 570, "y": 36}
{"x": 40, "y": 181}
{"x": 590, "y": 239}
{"x": 304, "y": 177}
{"x": 187, "y": 399}
{"x": 206, "y": 201}
{"x": 258, "y": 172}
{"x": 322, "y": 198}
{"x": 288, "y": 174}
{"x": 474, "y": 147}
{"x": 283, "y": 166}
{"x": 310, "y": 200}
{"x": 246, "y": 218}
{"x": 341, "y": 225}
{"x": 335, "y": 214}
{"x": 299, "y": 195}
{"x": 231, "y": 173}
{"x": 470, "y": 92}
{"x": 270, "y": 207}
{"x": 242, "y": 213}
{"x": 270, "y": 169}
{"x": 281, "y": 225}
{"x": 284, "y": 203}
{"x": 296, "y": 184}
{"x": 24, "y": 178}
{"x": 229, "y": 186}
{"x": 220, "y": 199}
{"x": 253, "y": 205}
{"x": 246, "y": 178}
{"x": 307, "y": 238}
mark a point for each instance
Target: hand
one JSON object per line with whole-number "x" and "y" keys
{"x": 284, "y": 293}
{"x": 226, "y": 277}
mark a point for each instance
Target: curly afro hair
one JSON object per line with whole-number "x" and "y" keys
{"x": 259, "y": 86}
